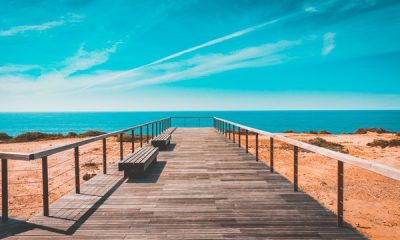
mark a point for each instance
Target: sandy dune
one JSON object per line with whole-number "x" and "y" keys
{"x": 371, "y": 201}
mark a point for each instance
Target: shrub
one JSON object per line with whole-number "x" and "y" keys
{"x": 398, "y": 134}
{"x": 90, "y": 165}
{"x": 71, "y": 135}
{"x": 125, "y": 138}
{"x": 313, "y": 132}
{"x": 289, "y": 131}
{"x": 88, "y": 176}
{"x": 324, "y": 132}
{"x": 384, "y": 143}
{"x": 4, "y": 136}
{"x": 35, "y": 136}
{"x": 91, "y": 133}
{"x": 375, "y": 130}
{"x": 320, "y": 142}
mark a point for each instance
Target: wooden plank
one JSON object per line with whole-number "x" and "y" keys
{"x": 369, "y": 165}
{"x": 205, "y": 188}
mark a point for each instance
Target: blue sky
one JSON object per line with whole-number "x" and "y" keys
{"x": 199, "y": 55}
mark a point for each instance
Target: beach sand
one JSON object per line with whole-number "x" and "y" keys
{"x": 371, "y": 201}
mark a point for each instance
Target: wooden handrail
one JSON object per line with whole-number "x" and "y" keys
{"x": 51, "y": 151}
{"x": 370, "y": 165}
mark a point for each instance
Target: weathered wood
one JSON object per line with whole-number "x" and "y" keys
{"x": 4, "y": 190}
{"x": 161, "y": 141}
{"x": 256, "y": 146}
{"x": 77, "y": 180}
{"x": 295, "y": 168}
{"x": 57, "y": 149}
{"x": 105, "y": 156}
{"x": 271, "y": 154}
{"x": 205, "y": 188}
{"x": 45, "y": 186}
{"x": 370, "y": 165}
{"x": 340, "y": 194}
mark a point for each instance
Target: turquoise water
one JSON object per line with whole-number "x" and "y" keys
{"x": 273, "y": 121}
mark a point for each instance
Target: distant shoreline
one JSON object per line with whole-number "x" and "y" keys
{"x": 43, "y": 136}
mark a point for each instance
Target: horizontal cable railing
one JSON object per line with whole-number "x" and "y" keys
{"x": 152, "y": 129}
{"x": 229, "y": 128}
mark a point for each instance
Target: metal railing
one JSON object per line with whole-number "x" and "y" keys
{"x": 157, "y": 127}
{"x": 227, "y": 128}
{"x": 190, "y": 121}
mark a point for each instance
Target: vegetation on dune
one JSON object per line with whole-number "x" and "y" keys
{"x": 289, "y": 131}
{"x": 320, "y": 142}
{"x": 91, "y": 133}
{"x": 88, "y": 176}
{"x": 324, "y": 132}
{"x": 4, "y": 136}
{"x": 375, "y": 130}
{"x": 35, "y": 136}
{"x": 384, "y": 143}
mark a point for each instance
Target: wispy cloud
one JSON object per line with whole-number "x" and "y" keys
{"x": 216, "y": 41}
{"x": 208, "y": 64}
{"x": 71, "y": 18}
{"x": 337, "y": 5}
{"x": 17, "y": 68}
{"x": 189, "y": 50}
{"x": 194, "y": 67}
{"x": 83, "y": 59}
{"x": 41, "y": 27}
{"x": 328, "y": 43}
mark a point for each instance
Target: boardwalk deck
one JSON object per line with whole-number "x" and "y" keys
{"x": 203, "y": 187}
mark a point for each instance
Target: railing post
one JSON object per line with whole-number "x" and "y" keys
{"x": 156, "y": 128}
{"x": 45, "y": 188}
{"x": 247, "y": 141}
{"x": 152, "y": 130}
{"x": 340, "y": 177}
{"x": 121, "y": 146}
{"x": 104, "y": 156}
{"x": 133, "y": 140}
{"x": 77, "y": 182}
{"x": 257, "y": 147}
{"x": 230, "y": 130}
{"x": 147, "y": 133}
{"x": 4, "y": 190}
{"x": 271, "y": 154}
{"x": 296, "y": 168}
{"x": 226, "y": 129}
{"x": 233, "y": 133}
{"x": 141, "y": 137}
{"x": 239, "y": 140}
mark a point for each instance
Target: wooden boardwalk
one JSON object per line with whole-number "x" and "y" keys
{"x": 203, "y": 187}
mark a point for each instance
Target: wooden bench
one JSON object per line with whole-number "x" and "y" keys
{"x": 170, "y": 130}
{"x": 161, "y": 141}
{"x": 135, "y": 164}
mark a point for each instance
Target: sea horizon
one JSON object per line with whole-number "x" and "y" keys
{"x": 334, "y": 121}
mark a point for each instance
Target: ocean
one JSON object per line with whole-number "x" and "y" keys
{"x": 272, "y": 121}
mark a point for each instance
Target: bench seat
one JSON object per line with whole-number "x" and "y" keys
{"x": 135, "y": 164}
{"x": 161, "y": 141}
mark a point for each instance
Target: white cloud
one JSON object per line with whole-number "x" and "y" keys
{"x": 337, "y": 5}
{"x": 83, "y": 59}
{"x": 328, "y": 43}
{"x": 310, "y": 9}
{"x": 55, "y": 83}
{"x": 204, "y": 65}
{"x": 215, "y": 41}
{"x": 20, "y": 29}
{"x": 17, "y": 68}
{"x": 70, "y": 18}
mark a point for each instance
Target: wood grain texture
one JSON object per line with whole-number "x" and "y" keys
{"x": 202, "y": 187}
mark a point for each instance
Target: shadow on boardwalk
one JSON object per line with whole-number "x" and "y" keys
{"x": 205, "y": 187}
